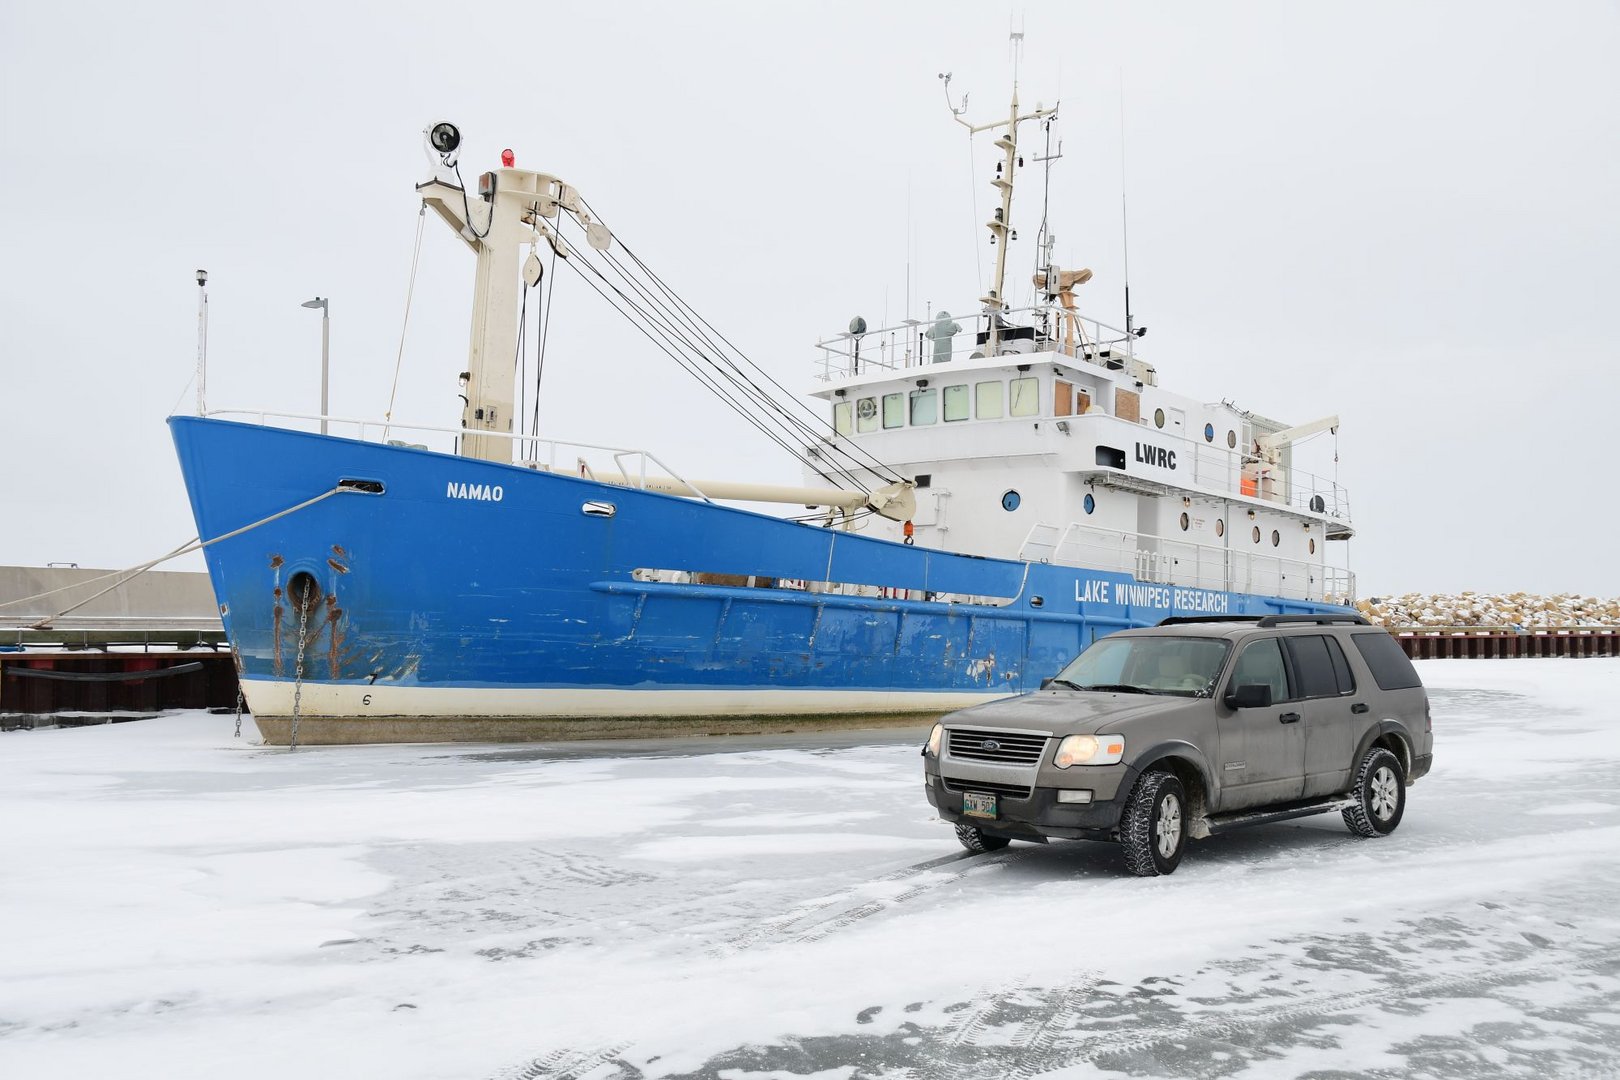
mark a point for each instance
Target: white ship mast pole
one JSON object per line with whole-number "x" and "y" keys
{"x": 1000, "y": 224}
{"x": 202, "y": 342}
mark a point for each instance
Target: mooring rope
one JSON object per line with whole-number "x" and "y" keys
{"x": 194, "y": 544}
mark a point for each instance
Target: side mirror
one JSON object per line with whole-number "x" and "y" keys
{"x": 1249, "y": 696}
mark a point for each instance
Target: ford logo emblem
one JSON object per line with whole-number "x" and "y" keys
{"x": 990, "y": 745}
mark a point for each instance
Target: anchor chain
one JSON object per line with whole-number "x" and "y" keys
{"x": 238, "y": 734}
{"x": 298, "y": 665}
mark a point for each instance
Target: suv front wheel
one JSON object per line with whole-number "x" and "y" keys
{"x": 1380, "y": 794}
{"x": 1153, "y": 829}
{"x": 978, "y": 841}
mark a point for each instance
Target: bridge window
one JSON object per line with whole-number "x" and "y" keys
{"x": 842, "y": 417}
{"x": 1062, "y": 398}
{"x": 1025, "y": 399}
{"x": 988, "y": 396}
{"x": 924, "y": 407}
{"x": 894, "y": 410}
{"x": 866, "y": 418}
{"x": 956, "y": 403}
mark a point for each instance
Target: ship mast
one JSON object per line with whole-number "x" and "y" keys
{"x": 1000, "y": 223}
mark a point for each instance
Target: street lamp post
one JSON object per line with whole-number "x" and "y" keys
{"x": 326, "y": 338}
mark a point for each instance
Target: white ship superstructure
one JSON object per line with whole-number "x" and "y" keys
{"x": 1040, "y": 434}
{"x": 1074, "y": 454}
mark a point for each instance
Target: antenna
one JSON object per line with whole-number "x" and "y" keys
{"x": 1015, "y": 45}
{"x": 1125, "y": 225}
{"x": 1045, "y": 238}
{"x": 1000, "y": 225}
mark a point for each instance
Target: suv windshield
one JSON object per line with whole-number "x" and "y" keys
{"x": 1185, "y": 666}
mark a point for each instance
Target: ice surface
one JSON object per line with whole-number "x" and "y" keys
{"x": 177, "y": 903}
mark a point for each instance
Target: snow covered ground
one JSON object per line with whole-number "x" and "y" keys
{"x": 178, "y": 903}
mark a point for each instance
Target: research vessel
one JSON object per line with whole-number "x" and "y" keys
{"x": 981, "y": 497}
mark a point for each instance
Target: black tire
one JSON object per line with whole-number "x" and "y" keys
{"x": 1153, "y": 829}
{"x": 977, "y": 840}
{"x": 1380, "y": 794}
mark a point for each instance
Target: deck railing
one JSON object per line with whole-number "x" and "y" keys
{"x": 529, "y": 451}
{"x": 908, "y": 343}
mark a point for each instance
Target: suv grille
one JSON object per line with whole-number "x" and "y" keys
{"x": 1001, "y": 747}
{"x": 1007, "y": 791}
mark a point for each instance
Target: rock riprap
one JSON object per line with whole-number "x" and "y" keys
{"x": 1528, "y": 610}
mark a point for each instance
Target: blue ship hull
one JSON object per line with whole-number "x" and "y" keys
{"x": 473, "y": 600}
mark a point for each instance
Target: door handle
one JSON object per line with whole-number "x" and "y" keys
{"x": 1358, "y": 707}
{"x": 1289, "y": 718}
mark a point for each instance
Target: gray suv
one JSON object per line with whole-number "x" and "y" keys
{"x": 1157, "y": 735}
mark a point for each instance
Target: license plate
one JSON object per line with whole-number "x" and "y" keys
{"x": 977, "y": 804}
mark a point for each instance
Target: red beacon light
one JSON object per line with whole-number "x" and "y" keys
{"x": 508, "y": 159}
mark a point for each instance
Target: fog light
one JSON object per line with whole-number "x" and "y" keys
{"x": 1074, "y": 796}
{"x": 929, "y": 778}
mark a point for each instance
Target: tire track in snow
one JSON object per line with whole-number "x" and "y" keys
{"x": 821, "y": 917}
{"x": 565, "y": 1064}
{"x": 1274, "y": 1014}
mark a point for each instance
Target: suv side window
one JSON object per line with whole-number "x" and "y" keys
{"x": 1341, "y": 667}
{"x": 1261, "y": 662}
{"x": 1387, "y": 661}
{"x": 1313, "y": 666}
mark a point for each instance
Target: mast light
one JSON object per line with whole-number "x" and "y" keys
{"x": 508, "y": 159}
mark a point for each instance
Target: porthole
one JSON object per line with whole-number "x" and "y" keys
{"x": 1186, "y": 522}
{"x": 1158, "y": 418}
{"x": 1231, "y": 440}
{"x": 1313, "y": 545}
{"x": 1010, "y": 501}
{"x": 1256, "y": 534}
{"x": 1220, "y": 526}
{"x": 1090, "y": 503}
{"x": 1209, "y": 432}
{"x": 1276, "y": 538}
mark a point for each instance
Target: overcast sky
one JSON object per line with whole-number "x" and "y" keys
{"x": 1408, "y": 214}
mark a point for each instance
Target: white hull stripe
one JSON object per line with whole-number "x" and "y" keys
{"x": 267, "y": 697}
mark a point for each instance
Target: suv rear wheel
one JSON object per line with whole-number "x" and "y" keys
{"x": 1380, "y": 794}
{"x": 978, "y": 841}
{"x": 1153, "y": 829}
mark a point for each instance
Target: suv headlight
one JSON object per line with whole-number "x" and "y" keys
{"x": 934, "y": 738}
{"x": 1089, "y": 750}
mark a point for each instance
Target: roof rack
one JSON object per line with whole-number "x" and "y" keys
{"x": 1347, "y": 619}
{"x": 1183, "y": 620}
